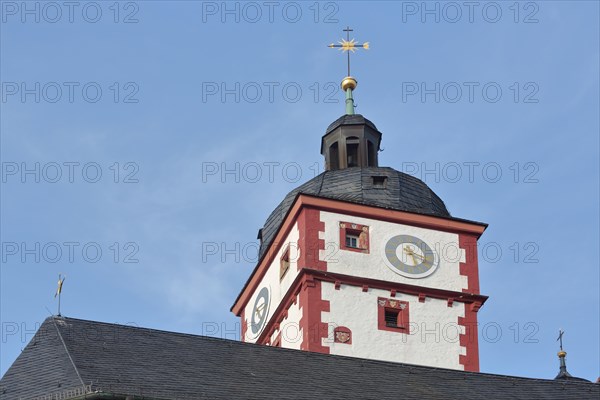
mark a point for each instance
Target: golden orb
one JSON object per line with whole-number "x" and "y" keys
{"x": 349, "y": 83}
{"x": 562, "y": 353}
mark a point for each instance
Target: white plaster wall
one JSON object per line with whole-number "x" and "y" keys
{"x": 277, "y": 289}
{"x": 358, "y": 311}
{"x": 446, "y": 276}
{"x": 291, "y": 334}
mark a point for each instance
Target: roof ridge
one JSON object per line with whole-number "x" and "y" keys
{"x": 67, "y": 349}
{"x": 152, "y": 330}
{"x": 312, "y": 354}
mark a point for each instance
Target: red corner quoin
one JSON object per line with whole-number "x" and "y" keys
{"x": 309, "y": 226}
{"x": 469, "y": 340}
{"x": 311, "y": 302}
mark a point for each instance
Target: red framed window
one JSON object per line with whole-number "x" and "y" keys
{"x": 284, "y": 262}
{"x": 354, "y": 237}
{"x": 392, "y": 315}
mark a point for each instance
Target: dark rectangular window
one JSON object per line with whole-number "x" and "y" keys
{"x": 284, "y": 263}
{"x": 391, "y": 317}
{"x": 379, "y": 182}
{"x": 371, "y": 154}
{"x": 352, "y": 153}
{"x": 334, "y": 157}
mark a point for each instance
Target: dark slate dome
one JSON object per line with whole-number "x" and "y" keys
{"x": 373, "y": 186}
{"x": 354, "y": 119}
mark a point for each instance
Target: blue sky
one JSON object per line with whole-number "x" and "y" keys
{"x": 494, "y": 106}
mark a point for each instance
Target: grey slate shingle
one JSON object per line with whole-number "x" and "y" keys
{"x": 403, "y": 192}
{"x": 354, "y": 119}
{"x": 126, "y": 360}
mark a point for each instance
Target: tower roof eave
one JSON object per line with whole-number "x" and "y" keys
{"x": 348, "y": 120}
{"x": 453, "y": 223}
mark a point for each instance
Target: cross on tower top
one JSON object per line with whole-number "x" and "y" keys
{"x": 349, "y": 83}
{"x": 347, "y": 45}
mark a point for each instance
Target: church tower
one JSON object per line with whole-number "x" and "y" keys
{"x": 365, "y": 261}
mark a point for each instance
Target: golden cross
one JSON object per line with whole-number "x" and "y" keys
{"x": 347, "y": 45}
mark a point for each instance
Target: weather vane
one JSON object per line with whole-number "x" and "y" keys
{"x": 349, "y": 83}
{"x": 61, "y": 280}
{"x": 348, "y": 45}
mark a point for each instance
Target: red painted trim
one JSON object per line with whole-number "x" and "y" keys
{"x": 362, "y": 231}
{"x": 453, "y": 225}
{"x": 261, "y": 268}
{"x": 425, "y": 221}
{"x": 399, "y": 287}
{"x": 277, "y": 342}
{"x": 306, "y": 289}
{"x": 313, "y": 329}
{"x": 469, "y": 268}
{"x": 281, "y": 312}
{"x": 311, "y": 303}
{"x": 469, "y": 340}
{"x": 309, "y": 244}
{"x": 422, "y": 297}
{"x": 401, "y": 307}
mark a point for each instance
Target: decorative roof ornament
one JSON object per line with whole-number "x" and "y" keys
{"x": 349, "y": 83}
{"x": 61, "y": 280}
{"x": 563, "y": 374}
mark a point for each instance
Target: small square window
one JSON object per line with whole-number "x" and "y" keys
{"x": 392, "y": 315}
{"x": 351, "y": 241}
{"x": 379, "y": 182}
{"x": 354, "y": 237}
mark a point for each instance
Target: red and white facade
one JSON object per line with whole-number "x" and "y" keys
{"x": 328, "y": 298}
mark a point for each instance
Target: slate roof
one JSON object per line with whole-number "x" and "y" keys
{"x": 354, "y": 119}
{"x": 402, "y": 192}
{"x": 114, "y": 361}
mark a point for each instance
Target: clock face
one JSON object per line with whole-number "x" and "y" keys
{"x": 410, "y": 256}
{"x": 260, "y": 311}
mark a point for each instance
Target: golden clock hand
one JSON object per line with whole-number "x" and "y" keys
{"x": 258, "y": 310}
{"x": 414, "y": 259}
{"x": 412, "y": 253}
